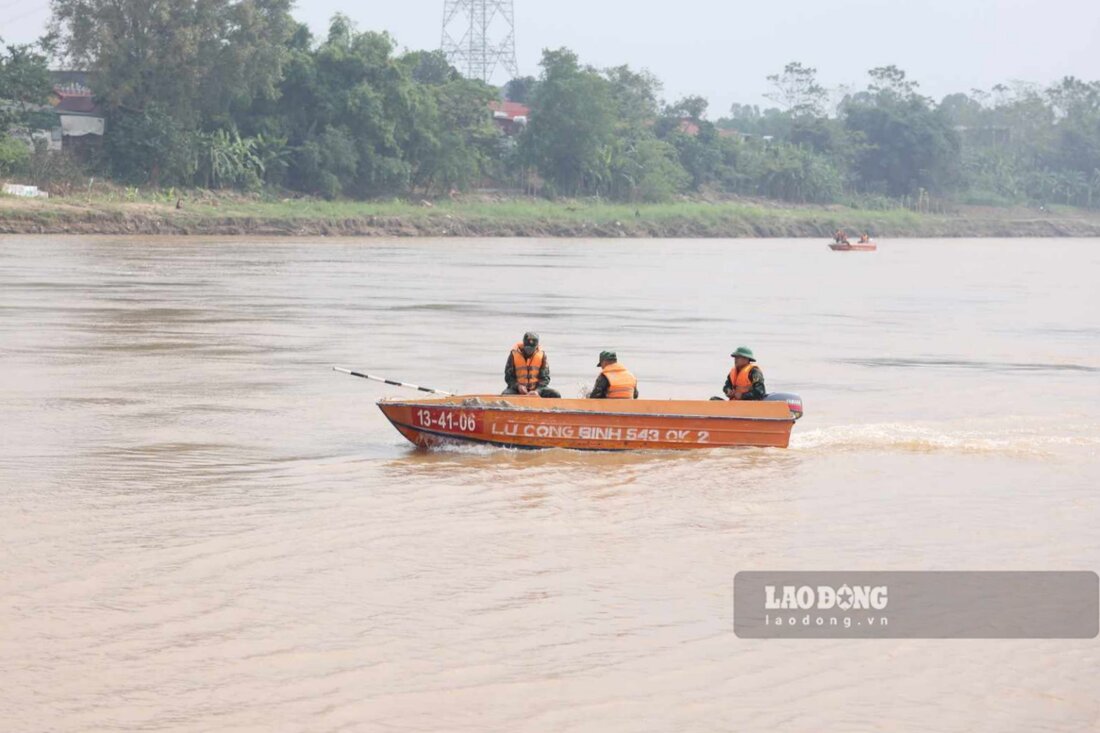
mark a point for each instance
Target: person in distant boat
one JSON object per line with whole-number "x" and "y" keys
{"x": 527, "y": 370}
{"x": 745, "y": 380}
{"x": 864, "y": 238}
{"x": 840, "y": 237}
{"x": 614, "y": 382}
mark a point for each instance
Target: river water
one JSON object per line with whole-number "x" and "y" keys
{"x": 204, "y": 528}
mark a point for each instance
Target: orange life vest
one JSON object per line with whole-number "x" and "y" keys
{"x": 621, "y": 383}
{"x": 527, "y": 370}
{"x": 740, "y": 379}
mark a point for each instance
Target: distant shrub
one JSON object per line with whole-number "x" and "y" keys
{"x": 14, "y": 155}
{"x": 871, "y": 202}
{"x": 986, "y": 198}
{"x": 56, "y": 172}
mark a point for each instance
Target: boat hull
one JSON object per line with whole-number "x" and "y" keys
{"x": 865, "y": 247}
{"x": 607, "y": 425}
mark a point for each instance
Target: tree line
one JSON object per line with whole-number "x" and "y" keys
{"x": 237, "y": 94}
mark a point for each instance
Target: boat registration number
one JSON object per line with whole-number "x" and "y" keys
{"x": 451, "y": 420}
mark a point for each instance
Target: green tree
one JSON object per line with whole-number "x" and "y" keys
{"x": 742, "y": 117}
{"x": 797, "y": 91}
{"x": 24, "y": 85}
{"x": 325, "y": 162}
{"x": 891, "y": 82}
{"x": 1075, "y": 149}
{"x": 640, "y": 166}
{"x": 363, "y": 122}
{"x": 14, "y": 155}
{"x": 199, "y": 60}
{"x": 572, "y": 125}
{"x": 751, "y": 120}
{"x": 692, "y": 108}
{"x": 634, "y": 94}
{"x": 963, "y": 111}
{"x": 699, "y": 146}
{"x": 151, "y": 146}
{"x": 592, "y": 132}
{"x": 646, "y": 169}
{"x": 352, "y": 110}
{"x": 520, "y": 89}
{"x": 780, "y": 170}
{"x": 430, "y": 67}
{"x": 166, "y": 70}
{"x": 458, "y": 139}
{"x": 904, "y": 144}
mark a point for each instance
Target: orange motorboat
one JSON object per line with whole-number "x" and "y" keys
{"x": 532, "y": 422}
{"x": 853, "y": 246}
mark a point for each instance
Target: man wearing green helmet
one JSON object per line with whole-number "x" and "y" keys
{"x": 527, "y": 371}
{"x": 746, "y": 379}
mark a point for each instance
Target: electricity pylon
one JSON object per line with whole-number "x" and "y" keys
{"x": 479, "y": 36}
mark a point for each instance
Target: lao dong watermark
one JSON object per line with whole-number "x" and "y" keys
{"x": 913, "y": 605}
{"x": 785, "y": 602}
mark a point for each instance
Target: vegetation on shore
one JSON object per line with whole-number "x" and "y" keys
{"x": 235, "y": 215}
{"x": 236, "y": 95}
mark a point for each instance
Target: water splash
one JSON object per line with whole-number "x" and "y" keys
{"x": 1012, "y": 436}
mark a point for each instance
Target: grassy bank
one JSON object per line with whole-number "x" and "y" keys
{"x": 209, "y": 214}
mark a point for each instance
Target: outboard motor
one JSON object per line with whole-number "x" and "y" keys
{"x": 794, "y": 402}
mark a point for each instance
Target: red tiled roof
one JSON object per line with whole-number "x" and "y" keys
{"x": 691, "y": 128}
{"x": 510, "y": 110}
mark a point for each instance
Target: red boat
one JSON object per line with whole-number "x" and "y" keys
{"x": 857, "y": 247}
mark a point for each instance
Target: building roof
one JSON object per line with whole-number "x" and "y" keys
{"x": 67, "y": 77}
{"x": 509, "y": 110}
{"x": 73, "y": 95}
{"x": 80, "y": 104}
{"x": 691, "y": 128}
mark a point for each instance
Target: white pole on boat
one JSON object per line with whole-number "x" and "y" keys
{"x": 383, "y": 380}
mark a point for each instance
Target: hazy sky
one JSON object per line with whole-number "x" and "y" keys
{"x": 723, "y": 49}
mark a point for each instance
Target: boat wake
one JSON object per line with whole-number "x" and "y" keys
{"x": 1023, "y": 437}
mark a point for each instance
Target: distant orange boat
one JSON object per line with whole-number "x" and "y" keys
{"x": 857, "y": 247}
{"x": 611, "y": 425}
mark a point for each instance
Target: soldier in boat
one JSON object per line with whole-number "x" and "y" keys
{"x": 614, "y": 382}
{"x": 527, "y": 371}
{"x": 746, "y": 379}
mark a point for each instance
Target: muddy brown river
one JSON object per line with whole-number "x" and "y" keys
{"x": 204, "y": 528}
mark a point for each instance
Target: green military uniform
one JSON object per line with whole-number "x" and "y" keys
{"x": 756, "y": 392}
{"x": 599, "y": 390}
{"x": 530, "y": 345}
{"x": 512, "y": 382}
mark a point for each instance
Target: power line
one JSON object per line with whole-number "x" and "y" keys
{"x": 20, "y": 16}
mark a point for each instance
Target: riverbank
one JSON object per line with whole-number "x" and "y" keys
{"x": 212, "y": 215}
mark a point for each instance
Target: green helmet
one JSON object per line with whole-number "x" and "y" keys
{"x": 530, "y": 342}
{"x": 744, "y": 351}
{"x": 607, "y": 356}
